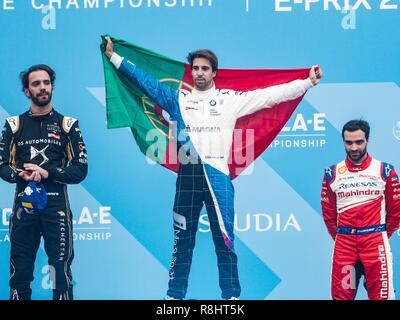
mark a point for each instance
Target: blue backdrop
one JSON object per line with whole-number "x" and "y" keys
{"x": 123, "y": 210}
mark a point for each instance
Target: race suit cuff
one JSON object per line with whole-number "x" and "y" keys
{"x": 308, "y": 84}
{"x": 116, "y": 60}
{"x": 13, "y": 177}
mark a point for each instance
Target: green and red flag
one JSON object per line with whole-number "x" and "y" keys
{"x": 128, "y": 106}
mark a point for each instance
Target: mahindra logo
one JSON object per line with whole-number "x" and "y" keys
{"x": 358, "y": 193}
{"x": 384, "y": 290}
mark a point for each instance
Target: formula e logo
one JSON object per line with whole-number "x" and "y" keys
{"x": 70, "y": 122}
{"x": 35, "y": 152}
{"x": 303, "y": 130}
{"x": 12, "y": 121}
{"x": 301, "y": 124}
{"x": 328, "y": 171}
{"x": 388, "y": 170}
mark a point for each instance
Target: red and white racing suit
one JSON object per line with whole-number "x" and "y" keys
{"x": 361, "y": 209}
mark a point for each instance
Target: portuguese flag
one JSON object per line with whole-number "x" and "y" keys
{"x": 128, "y": 106}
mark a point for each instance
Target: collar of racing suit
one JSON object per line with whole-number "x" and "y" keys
{"x": 204, "y": 94}
{"x": 41, "y": 116}
{"x": 358, "y": 167}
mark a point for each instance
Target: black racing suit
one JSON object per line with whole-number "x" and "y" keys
{"x": 55, "y": 143}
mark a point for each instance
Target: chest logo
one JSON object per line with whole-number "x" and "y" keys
{"x": 35, "y": 153}
{"x": 342, "y": 170}
{"x": 54, "y": 135}
{"x": 53, "y": 128}
{"x": 213, "y": 103}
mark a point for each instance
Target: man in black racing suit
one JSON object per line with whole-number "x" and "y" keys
{"x": 44, "y": 146}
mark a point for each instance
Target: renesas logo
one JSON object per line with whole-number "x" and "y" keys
{"x": 95, "y": 225}
{"x": 343, "y": 186}
{"x": 258, "y": 222}
{"x": 354, "y": 192}
{"x": 302, "y": 132}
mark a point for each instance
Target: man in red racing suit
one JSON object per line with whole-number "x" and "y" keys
{"x": 360, "y": 201}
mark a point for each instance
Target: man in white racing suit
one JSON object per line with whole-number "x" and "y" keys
{"x": 205, "y": 119}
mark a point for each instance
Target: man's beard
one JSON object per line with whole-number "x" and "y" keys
{"x": 356, "y": 156}
{"x": 38, "y": 101}
{"x": 202, "y": 85}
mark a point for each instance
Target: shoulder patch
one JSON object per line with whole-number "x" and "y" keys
{"x": 330, "y": 173}
{"x": 67, "y": 123}
{"x": 386, "y": 170}
{"x": 14, "y": 123}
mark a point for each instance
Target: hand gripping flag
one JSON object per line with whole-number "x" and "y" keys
{"x": 128, "y": 106}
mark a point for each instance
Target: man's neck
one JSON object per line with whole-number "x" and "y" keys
{"x": 206, "y": 89}
{"x": 41, "y": 110}
{"x": 357, "y": 163}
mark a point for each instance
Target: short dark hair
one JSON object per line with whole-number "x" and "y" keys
{"x": 24, "y": 75}
{"x": 354, "y": 125}
{"x": 206, "y": 54}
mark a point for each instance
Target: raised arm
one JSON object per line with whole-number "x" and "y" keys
{"x": 160, "y": 93}
{"x": 253, "y": 101}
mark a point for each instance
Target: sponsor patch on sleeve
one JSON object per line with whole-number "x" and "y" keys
{"x": 68, "y": 122}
